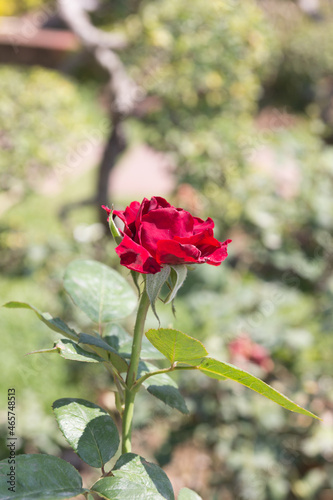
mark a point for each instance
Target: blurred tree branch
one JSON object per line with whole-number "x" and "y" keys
{"x": 78, "y": 20}
{"x": 124, "y": 92}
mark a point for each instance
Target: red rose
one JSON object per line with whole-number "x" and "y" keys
{"x": 156, "y": 233}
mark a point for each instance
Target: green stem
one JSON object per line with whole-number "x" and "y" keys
{"x": 130, "y": 391}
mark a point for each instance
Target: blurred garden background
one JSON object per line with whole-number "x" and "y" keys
{"x": 225, "y": 108}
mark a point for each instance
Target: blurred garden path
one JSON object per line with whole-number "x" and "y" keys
{"x": 142, "y": 171}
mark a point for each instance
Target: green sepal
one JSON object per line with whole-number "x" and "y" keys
{"x": 135, "y": 275}
{"x": 113, "y": 228}
{"x": 154, "y": 283}
{"x": 177, "y": 277}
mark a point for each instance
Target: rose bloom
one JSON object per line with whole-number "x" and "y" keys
{"x": 156, "y": 233}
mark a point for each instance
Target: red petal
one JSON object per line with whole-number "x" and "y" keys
{"x": 148, "y": 205}
{"x": 128, "y": 216}
{"x": 219, "y": 255}
{"x": 205, "y": 242}
{"x": 157, "y": 202}
{"x": 204, "y": 238}
{"x": 164, "y": 224}
{"x": 135, "y": 257}
{"x": 172, "y": 252}
{"x": 200, "y": 225}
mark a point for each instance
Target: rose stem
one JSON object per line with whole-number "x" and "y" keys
{"x": 130, "y": 391}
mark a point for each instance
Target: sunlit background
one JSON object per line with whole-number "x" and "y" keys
{"x": 232, "y": 119}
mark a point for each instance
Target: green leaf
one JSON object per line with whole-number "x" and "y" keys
{"x": 154, "y": 283}
{"x": 69, "y": 350}
{"x": 163, "y": 387}
{"x": 116, "y": 336}
{"x": 135, "y": 478}
{"x": 55, "y": 324}
{"x": 187, "y": 494}
{"x": 175, "y": 345}
{"x": 41, "y": 477}
{"x": 170, "y": 396}
{"x": 181, "y": 273}
{"x": 89, "y": 430}
{"x": 219, "y": 370}
{"x": 148, "y": 351}
{"x": 102, "y": 293}
{"x": 104, "y": 350}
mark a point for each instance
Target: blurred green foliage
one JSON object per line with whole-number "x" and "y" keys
{"x": 203, "y": 87}
{"x": 301, "y": 74}
{"x": 18, "y": 7}
{"x": 46, "y": 120}
{"x": 265, "y": 180}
